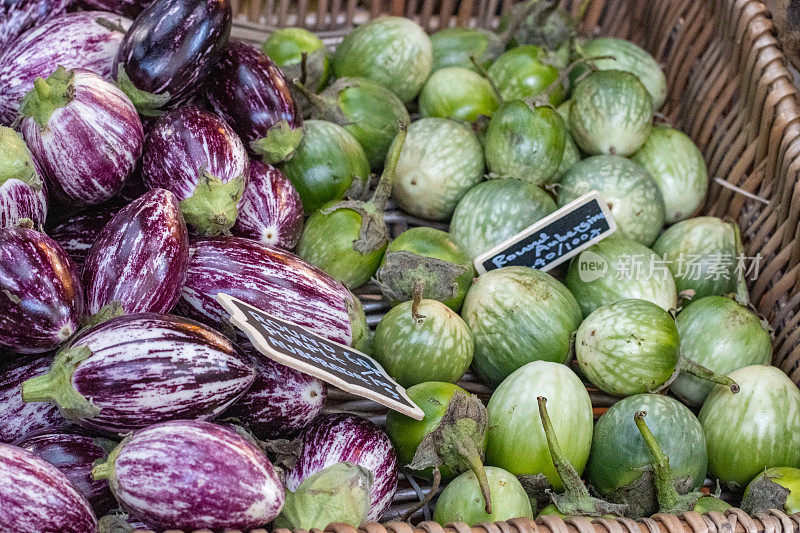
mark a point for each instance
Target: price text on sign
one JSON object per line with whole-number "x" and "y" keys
{"x": 554, "y": 239}
{"x": 335, "y": 363}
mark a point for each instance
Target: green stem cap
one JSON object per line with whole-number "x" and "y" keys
{"x": 47, "y": 96}
{"x": 212, "y": 209}
{"x": 147, "y": 104}
{"x": 279, "y": 143}
{"x": 16, "y": 160}
{"x": 689, "y": 366}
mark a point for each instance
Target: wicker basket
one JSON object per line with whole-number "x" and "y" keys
{"x": 729, "y": 89}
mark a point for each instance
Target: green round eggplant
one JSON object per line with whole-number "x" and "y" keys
{"x": 453, "y": 47}
{"x": 286, "y": 47}
{"x": 518, "y": 315}
{"x": 427, "y": 342}
{"x": 611, "y": 113}
{"x": 437, "y": 244}
{"x": 495, "y": 210}
{"x": 626, "y": 56}
{"x": 441, "y": 160}
{"x": 755, "y": 429}
{"x": 563, "y": 111}
{"x": 457, "y": 93}
{"x": 721, "y": 335}
{"x": 787, "y": 477}
{"x": 325, "y": 165}
{"x": 678, "y": 168}
{"x": 702, "y": 255}
{"x": 517, "y": 441}
{"x": 525, "y": 143}
{"x": 619, "y": 454}
{"x": 570, "y": 158}
{"x": 525, "y": 72}
{"x": 631, "y": 193}
{"x": 619, "y": 268}
{"x": 628, "y": 347}
{"x": 462, "y": 501}
{"x": 391, "y": 51}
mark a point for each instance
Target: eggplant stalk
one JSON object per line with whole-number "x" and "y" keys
{"x": 690, "y": 367}
{"x": 47, "y": 96}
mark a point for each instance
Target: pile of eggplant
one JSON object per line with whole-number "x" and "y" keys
{"x": 149, "y": 162}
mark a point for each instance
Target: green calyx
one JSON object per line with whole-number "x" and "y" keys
{"x": 212, "y": 209}
{"x": 690, "y": 367}
{"x": 114, "y": 522}
{"x": 56, "y": 386}
{"x": 458, "y": 442}
{"x": 575, "y": 500}
{"x": 16, "y": 160}
{"x": 48, "y": 95}
{"x": 279, "y": 143}
{"x": 107, "y": 312}
{"x": 338, "y": 493}
{"x": 763, "y": 494}
{"x": 325, "y": 107}
{"x": 403, "y": 273}
{"x": 147, "y": 104}
{"x": 669, "y": 500}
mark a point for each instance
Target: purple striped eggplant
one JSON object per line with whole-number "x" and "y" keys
{"x": 135, "y": 370}
{"x": 140, "y": 258}
{"x": 203, "y": 162}
{"x": 271, "y": 279}
{"x": 23, "y": 194}
{"x": 193, "y": 475}
{"x": 169, "y": 51}
{"x": 281, "y": 401}
{"x": 127, "y": 8}
{"x": 249, "y": 91}
{"x": 89, "y": 40}
{"x": 18, "y": 419}
{"x": 42, "y": 297}
{"x": 271, "y": 210}
{"x": 77, "y": 234}
{"x": 75, "y": 455}
{"x": 84, "y": 132}
{"x": 38, "y": 497}
{"x": 18, "y": 16}
{"x": 337, "y": 438}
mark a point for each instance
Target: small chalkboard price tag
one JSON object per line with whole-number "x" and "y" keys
{"x": 555, "y": 238}
{"x": 334, "y": 363}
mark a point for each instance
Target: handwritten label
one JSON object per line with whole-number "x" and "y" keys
{"x": 555, "y": 238}
{"x": 334, "y": 363}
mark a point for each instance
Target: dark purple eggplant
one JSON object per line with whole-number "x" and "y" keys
{"x": 42, "y": 298}
{"x": 271, "y": 279}
{"x": 281, "y": 401}
{"x": 19, "y": 420}
{"x": 38, "y": 497}
{"x": 75, "y": 455}
{"x": 169, "y": 51}
{"x": 85, "y": 134}
{"x": 193, "y": 475}
{"x": 249, "y": 91}
{"x": 199, "y": 158}
{"x": 271, "y": 211}
{"x": 77, "y": 234}
{"x": 18, "y": 16}
{"x": 127, "y": 8}
{"x": 135, "y": 370}
{"x": 89, "y": 40}
{"x": 23, "y": 194}
{"x": 140, "y": 258}
{"x": 337, "y": 438}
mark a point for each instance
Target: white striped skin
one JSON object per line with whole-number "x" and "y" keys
{"x": 193, "y": 475}
{"x": 90, "y": 146}
{"x": 392, "y": 51}
{"x": 18, "y": 17}
{"x": 74, "y": 40}
{"x": 516, "y": 440}
{"x": 38, "y": 497}
{"x": 755, "y": 429}
{"x": 19, "y": 200}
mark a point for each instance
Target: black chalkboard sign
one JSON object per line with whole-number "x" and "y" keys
{"x": 553, "y": 239}
{"x": 335, "y": 363}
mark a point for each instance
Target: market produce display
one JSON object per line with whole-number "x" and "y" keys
{"x": 146, "y": 168}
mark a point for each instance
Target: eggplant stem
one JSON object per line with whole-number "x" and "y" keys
{"x": 564, "y": 74}
{"x": 313, "y": 98}
{"x": 668, "y": 497}
{"x": 437, "y": 480}
{"x": 304, "y": 67}
{"x": 485, "y": 73}
{"x": 566, "y": 472}
{"x": 466, "y": 448}
{"x": 515, "y": 22}
{"x": 687, "y": 365}
{"x": 42, "y": 88}
{"x": 418, "y": 288}
{"x": 385, "y": 184}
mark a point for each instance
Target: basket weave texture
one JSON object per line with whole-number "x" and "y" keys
{"x": 729, "y": 90}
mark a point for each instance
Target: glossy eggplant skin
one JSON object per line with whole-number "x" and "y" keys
{"x": 168, "y": 52}
{"x": 18, "y": 16}
{"x": 77, "y": 234}
{"x": 88, "y": 40}
{"x": 74, "y": 454}
{"x": 251, "y": 94}
{"x": 140, "y": 257}
{"x": 44, "y": 297}
{"x": 39, "y": 497}
{"x": 18, "y": 419}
